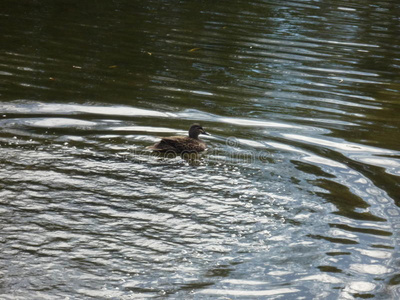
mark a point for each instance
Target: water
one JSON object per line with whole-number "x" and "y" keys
{"x": 297, "y": 196}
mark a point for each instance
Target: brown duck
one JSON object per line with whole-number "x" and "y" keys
{"x": 182, "y": 144}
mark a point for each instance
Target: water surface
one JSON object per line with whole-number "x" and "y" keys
{"x": 297, "y": 196}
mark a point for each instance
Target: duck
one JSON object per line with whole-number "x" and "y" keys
{"x": 182, "y": 144}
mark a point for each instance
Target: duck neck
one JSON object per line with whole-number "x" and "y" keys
{"x": 194, "y": 135}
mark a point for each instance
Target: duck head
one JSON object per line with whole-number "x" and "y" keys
{"x": 195, "y": 130}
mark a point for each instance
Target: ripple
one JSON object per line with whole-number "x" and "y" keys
{"x": 296, "y": 195}
{"x": 244, "y": 293}
{"x": 360, "y": 286}
{"x": 369, "y": 269}
{"x": 323, "y": 278}
{"x": 338, "y": 144}
{"x": 57, "y": 122}
{"x": 26, "y": 107}
{"x": 247, "y": 122}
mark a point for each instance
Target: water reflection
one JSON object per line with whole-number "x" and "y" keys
{"x": 297, "y": 195}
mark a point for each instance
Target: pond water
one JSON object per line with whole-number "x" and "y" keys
{"x": 297, "y": 196}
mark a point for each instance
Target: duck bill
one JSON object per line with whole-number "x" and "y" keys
{"x": 203, "y": 132}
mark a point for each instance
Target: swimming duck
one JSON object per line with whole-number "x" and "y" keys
{"x": 182, "y": 144}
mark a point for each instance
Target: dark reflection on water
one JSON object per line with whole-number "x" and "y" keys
{"x": 296, "y": 197}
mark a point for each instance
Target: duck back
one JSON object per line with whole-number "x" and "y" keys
{"x": 179, "y": 144}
